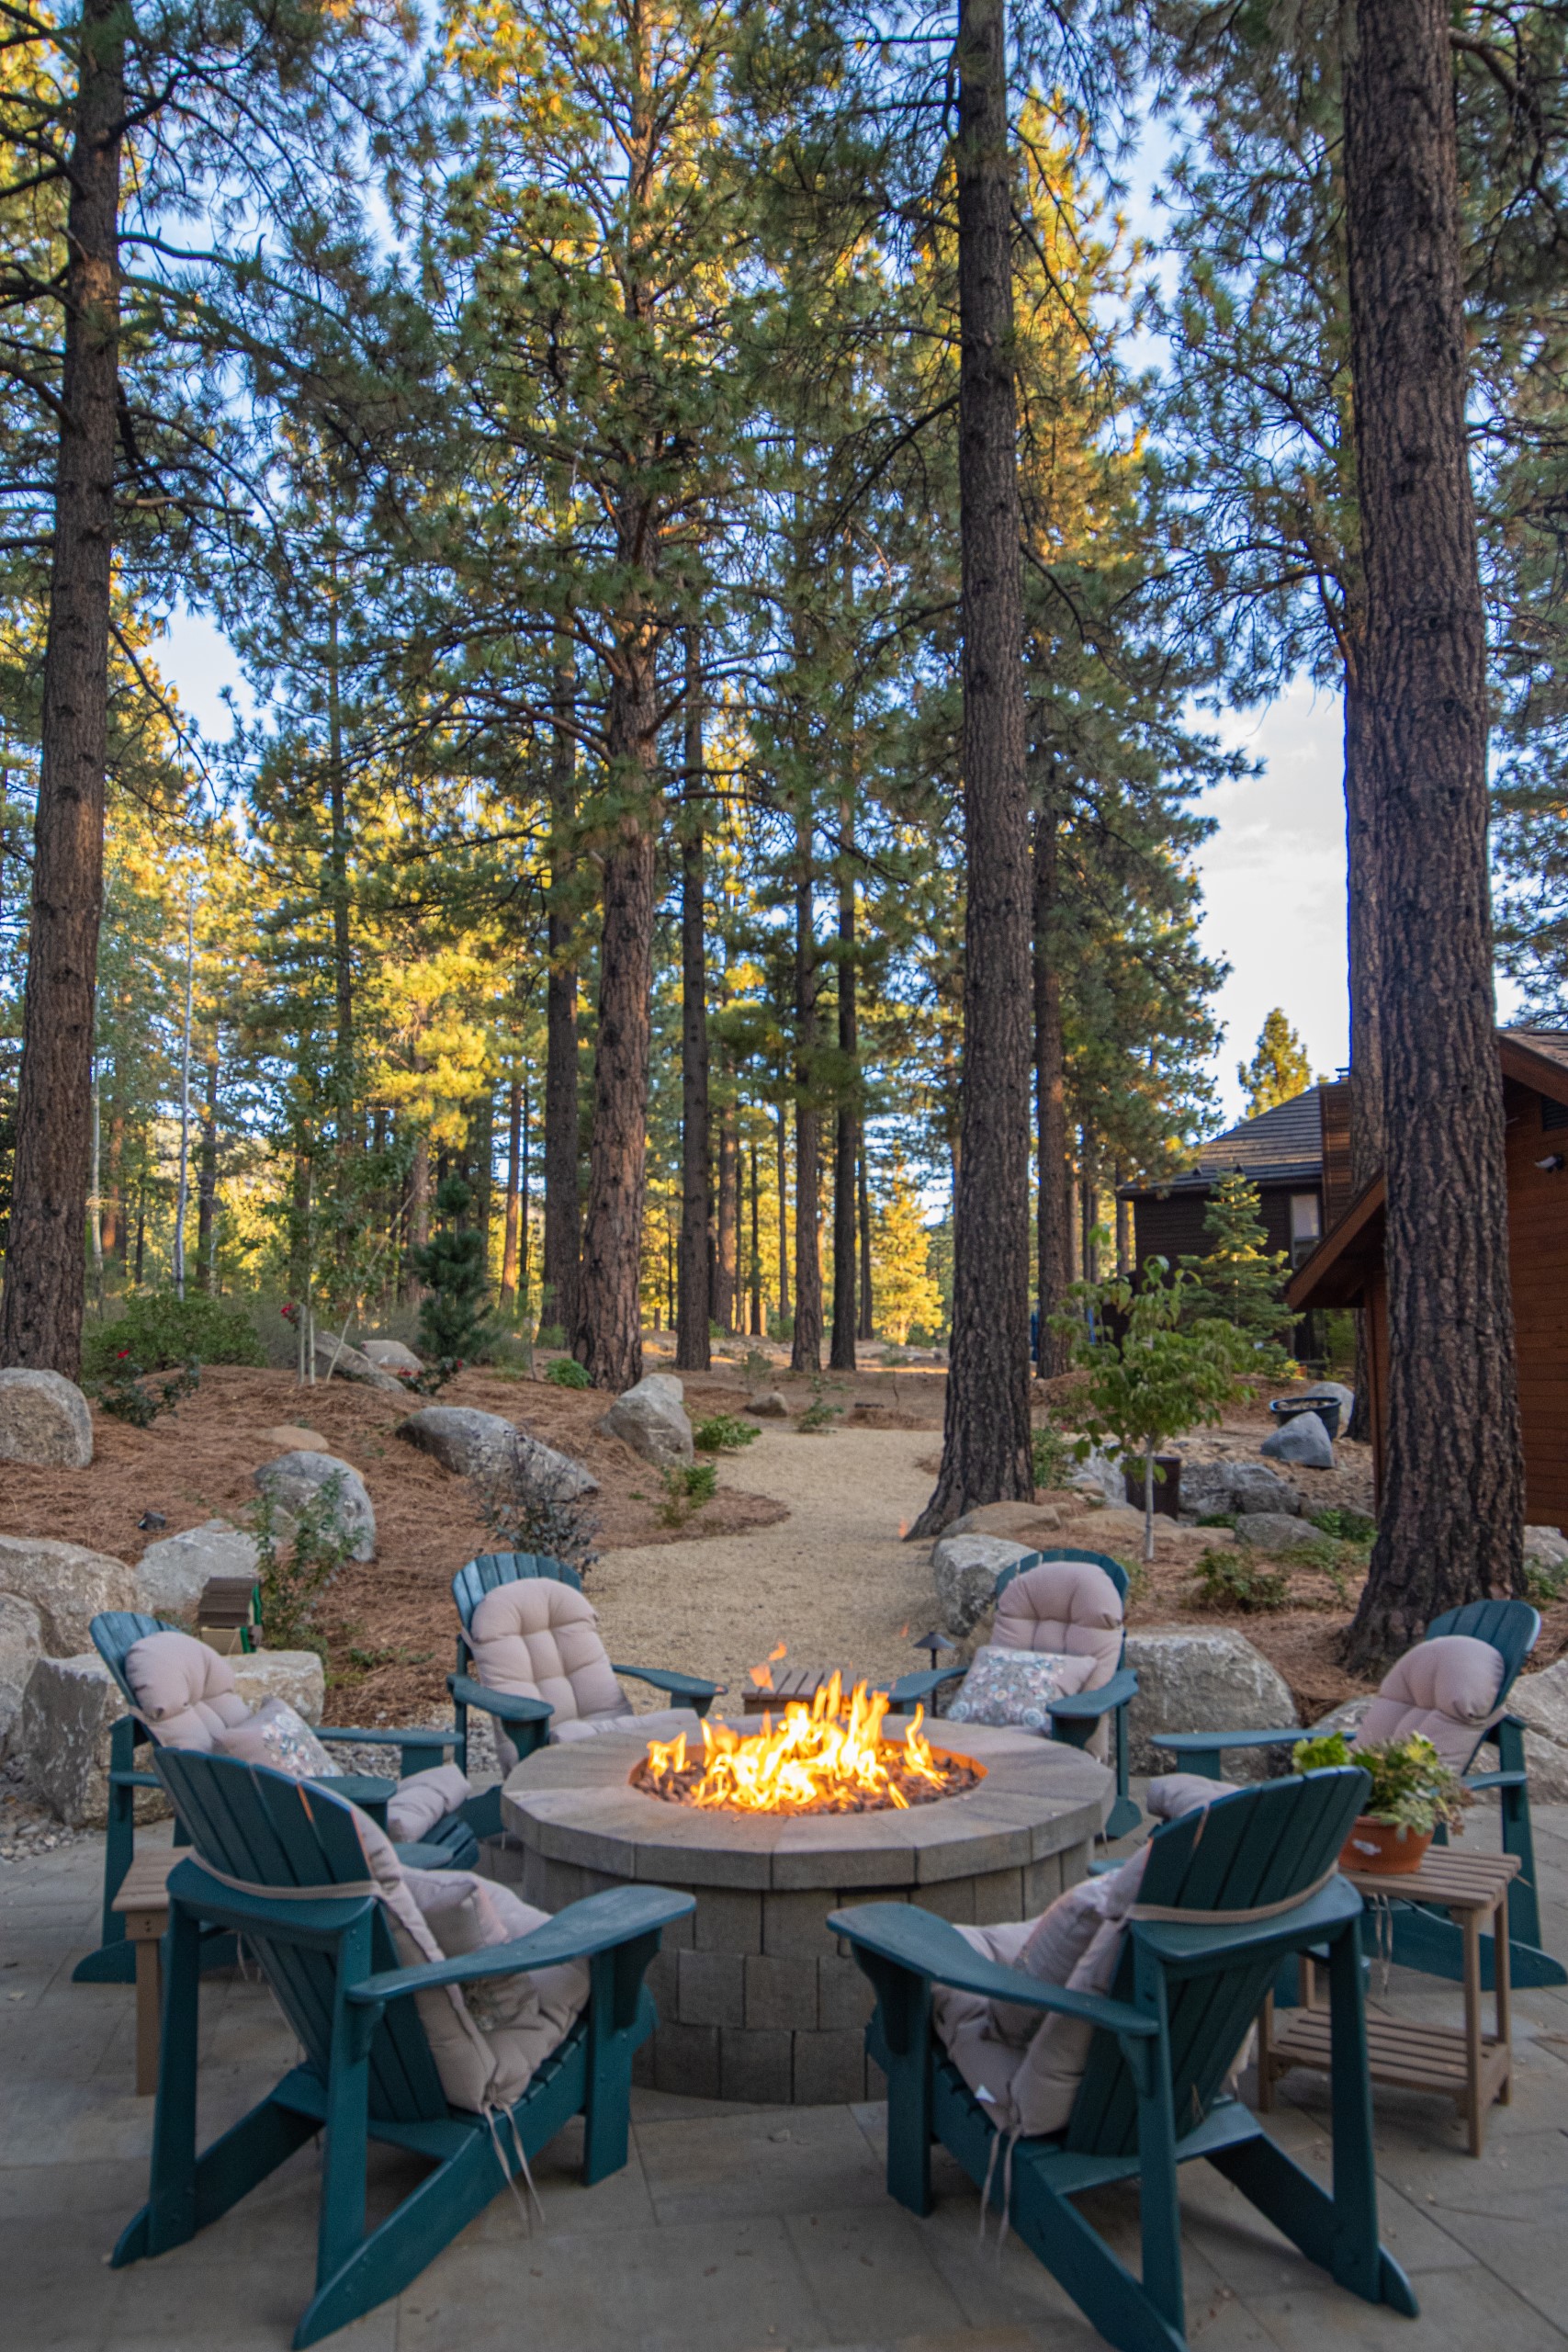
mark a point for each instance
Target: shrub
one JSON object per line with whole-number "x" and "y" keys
{"x": 158, "y": 1331}
{"x": 567, "y": 1372}
{"x": 1054, "y": 1458}
{"x": 453, "y": 1325}
{"x": 1344, "y": 1525}
{"x": 686, "y": 1489}
{"x": 294, "y": 1580}
{"x": 121, "y": 1393}
{"x": 755, "y": 1364}
{"x": 724, "y": 1433}
{"x": 1544, "y": 1582}
{"x": 819, "y": 1416}
{"x": 1230, "y": 1581}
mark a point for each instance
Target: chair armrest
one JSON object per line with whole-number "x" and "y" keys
{"x": 926, "y": 1946}
{"x": 420, "y": 1736}
{"x": 135, "y": 1781}
{"x": 1199, "y": 1743}
{"x": 370, "y": 1791}
{"x": 597, "y": 1924}
{"x": 1496, "y": 1780}
{"x": 911, "y": 1688}
{"x": 680, "y": 1686}
{"x": 510, "y": 1707}
{"x": 1083, "y": 1706}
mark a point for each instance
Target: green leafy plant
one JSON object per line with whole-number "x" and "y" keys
{"x": 123, "y": 1394}
{"x": 819, "y": 1416}
{"x": 1052, "y": 1455}
{"x": 1239, "y": 1280}
{"x": 756, "y": 1365}
{"x": 1545, "y": 1581}
{"x": 1411, "y": 1787}
{"x": 159, "y": 1332}
{"x": 1219, "y": 1518}
{"x": 687, "y": 1487}
{"x": 724, "y": 1433}
{"x": 1154, "y": 1368}
{"x": 1346, "y": 1526}
{"x": 296, "y": 1572}
{"x": 453, "y": 1326}
{"x": 567, "y": 1372}
{"x": 1230, "y": 1581}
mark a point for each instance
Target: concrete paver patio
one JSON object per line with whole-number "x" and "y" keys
{"x": 747, "y": 2229}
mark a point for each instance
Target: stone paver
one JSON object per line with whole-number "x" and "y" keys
{"x": 747, "y": 2229}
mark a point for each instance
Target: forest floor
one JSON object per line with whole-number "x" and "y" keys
{"x": 802, "y": 1543}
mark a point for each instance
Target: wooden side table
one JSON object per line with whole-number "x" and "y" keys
{"x": 1465, "y": 2064}
{"x": 796, "y": 1686}
{"x": 144, "y": 1901}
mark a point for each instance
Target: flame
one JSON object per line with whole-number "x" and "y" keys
{"x": 761, "y": 1677}
{"x": 828, "y": 1757}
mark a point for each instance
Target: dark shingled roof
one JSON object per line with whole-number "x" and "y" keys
{"x": 1280, "y": 1146}
{"x": 1553, "y": 1043}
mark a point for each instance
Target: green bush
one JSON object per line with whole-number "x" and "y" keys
{"x": 1344, "y": 1525}
{"x": 724, "y": 1433}
{"x": 567, "y": 1372}
{"x": 1230, "y": 1581}
{"x": 686, "y": 1489}
{"x": 1054, "y": 1457}
{"x": 158, "y": 1332}
{"x": 293, "y": 1576}
{"x": 1544, "y": 1584}
{"x": 122, "y": 1396}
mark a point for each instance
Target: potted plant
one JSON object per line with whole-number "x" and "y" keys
{"x": 1413, "y": 1789}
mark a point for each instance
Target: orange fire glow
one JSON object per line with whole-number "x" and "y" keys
{"x": 762, "y": 1675}
{"x": 828, "y": 1757}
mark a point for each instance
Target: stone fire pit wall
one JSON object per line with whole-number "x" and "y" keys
{"x": 756, "y": 1999}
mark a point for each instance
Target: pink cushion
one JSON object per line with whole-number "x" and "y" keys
{"x": 538, "y": 1639}
{"x": 1446, "y": 1690}
{"x": 184, "y": 1691}
{"x": 1067, "y": 1605}
{"x": 423, "y": 1799}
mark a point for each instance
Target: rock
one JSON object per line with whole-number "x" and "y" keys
{"x": 769, "y": 1407}
{"x": 67, "y": 1584}
{"x": 1540, "y": 1703}
{"x": 1302, "y": 1440}
{"x": 1204, "y": 1681}
{"x": 391, "y": 1355}
{"x": 1347, "y": 1397}
{"x": 1546, "y": 1547}
{"x": 334, "y": 1357}
{"x": 482, "y": 1445}
{"x": 651, "y": 1419}
{"x": 1275, "y": 1531}
{"x": 1101, "y": 1476}
{"x": 1208, "y": 1487}
{"x": 965, "y": 1568}
{"x": 21, "y": 1646}
{"x": 1034, "y": 1526}
{"x": 1346, "y": 1717}
{"x": 296, "y": 1479}
{"x": 171, "y": 1575}
{"x": 291, "y": 1439}
{"x": 72, "y": 1704}
{"x": 44, "y": 1420}
{"x": 1121, "y": 1532}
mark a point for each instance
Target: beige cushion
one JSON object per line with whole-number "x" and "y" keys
{"x": 661, "y": 1723}
{"x": 538, "y": 1639}
{"x": 423, "y": 1799}
{"x": 184, "y": 1691}
{"x": 487, "y": 2040}
{"x": 1173, "y": 1793}
{"x": 1067, "y": 1605}
{"x": 1445, "y": 1689}
{"x": 276, "y": 1737}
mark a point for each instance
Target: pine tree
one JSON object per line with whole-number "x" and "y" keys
{"x": 902, "y": 1287}
{"x": 1242, "y": 1281}
{"x": 453, "y": 1326}
{"x": 1278, "y": 1070}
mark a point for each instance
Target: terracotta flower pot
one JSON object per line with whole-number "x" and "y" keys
{"x": 1384, "y": 1847}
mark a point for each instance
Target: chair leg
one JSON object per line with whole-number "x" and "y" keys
{"x": 607, "y": 2100}
{"x": 344, "y": 2138}
{"x": 1157, "y": 2195}
{"x": 1356, "y": 2250}
{"x": 171, "y": 2200}
{"x": 1103, "y": 2288}
{"x": 395, "y": 2252}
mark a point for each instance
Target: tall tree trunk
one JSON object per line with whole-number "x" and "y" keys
{"x": 207, "y": 1179}
{"x": 805, "y": 1351}
{"x": 41, "y": 1309}
{"x": 1366, "y": 1042}
{"x": 481, "y": 1133}
{"x": 140, "y": 1265}
{"x": 756, "y": 1326}
{"x": 418, "y": 1216}
{"x": 1123, "y": 1230}
{"x": 846, "y": 1138}
{"x": 342, "y": 958}
{"x": 1453, "y": 1495}
{"x": 726, "y": 1287}
{"x": 692, "y": 1350}
{"x": 513, "y": 1166}
{"x": 1053, "y": 1249}
{"x": 523, "y": 1213}
{"x": 783, "y": 1156}
{"x": 114, "y": 1205}
{"x": 563, "y": 1218}
{"x": 1088, "y": 1199}
{"x": 610, "y": 1298}
{"x": 867, "y": 1328}
{"x": 986, "y": 1448}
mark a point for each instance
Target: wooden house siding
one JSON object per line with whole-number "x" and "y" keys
{"x": 1338, "y": 1189}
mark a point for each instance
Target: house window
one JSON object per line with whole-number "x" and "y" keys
{"x": 1306, "y": 1226}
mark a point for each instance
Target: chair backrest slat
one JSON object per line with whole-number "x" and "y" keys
{"x": 1259, "y": 1846}
{"x": 1113, "y": 1568}
{"x": 483, "y": 1574}
{"x": 115, "y": 1631}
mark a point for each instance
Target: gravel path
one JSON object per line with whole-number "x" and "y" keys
{"x": 833, "y": 1580}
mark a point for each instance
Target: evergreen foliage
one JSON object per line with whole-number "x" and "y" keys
{"x": 453, "y": 1326}
{"x": 1238, "y": 1278}
{"x": 1280, "y": 1069}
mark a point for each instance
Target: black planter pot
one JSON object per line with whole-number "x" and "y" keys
{"x": 1168, "y": 1490}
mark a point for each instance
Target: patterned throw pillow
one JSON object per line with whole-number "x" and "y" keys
{"x": 1014, "y": 1688}
{"x": 275, "y": 1736}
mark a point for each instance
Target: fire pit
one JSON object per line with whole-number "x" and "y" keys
{"x": 756, "y": 1999}
{"x": 828, "y": 1756}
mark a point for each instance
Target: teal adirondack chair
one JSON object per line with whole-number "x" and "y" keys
{"x": 527, "y": 1721}
{"x": 1425, "y": 1939}
{"x": 1153, "y": 2095}
{"x": 1074, "y": 1719}
{"x": 453, "y": 1844}
{"x": 366, "y": 2071}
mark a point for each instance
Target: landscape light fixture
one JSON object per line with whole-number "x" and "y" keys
{"x": 931, "y": 1643}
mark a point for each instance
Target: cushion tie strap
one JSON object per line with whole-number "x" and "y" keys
{"x": 1181, "y": 1917}
{"x": 344, "y": 1891}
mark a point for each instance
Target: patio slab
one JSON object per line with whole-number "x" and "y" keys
{"x": 739, "y": 2227}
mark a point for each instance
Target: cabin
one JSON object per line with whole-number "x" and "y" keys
{"x": 1346, "y": 1267}
{"x": 1285, "y": 1152}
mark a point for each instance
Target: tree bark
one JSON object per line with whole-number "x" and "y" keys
{"x": 343, "y": 953}
{"x": 610, "y": 1290}
{"x": 726, "y": 1262}
{"x": 692, "y": 1349}
{"x": 1366, "y": 1042}
{"x": 805, "y": 1351}
{"x": 513, "y": 1165}
{"x": 41, "y": 1309}
{"x": 1453, "y": 1495}
{"x": 207, "y": 1179}
{"x": 867, "y": 1329}
{"x": 986, "y": 1448}
{"x": 756, "y": 1325}
{"x": 563, "y": 1219}
{"x": 783, "y": 1218}
{"x": 846, "y": 1138}
{"x": 1054, "y": 1251}
{"x": 418, "y": 1216}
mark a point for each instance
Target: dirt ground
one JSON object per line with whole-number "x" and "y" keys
{"x": 802, "y": 1543}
